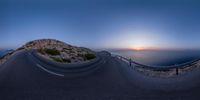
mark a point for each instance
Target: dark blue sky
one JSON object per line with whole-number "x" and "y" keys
{"x": 165, "y": 24}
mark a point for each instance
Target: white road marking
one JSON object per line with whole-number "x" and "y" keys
{"x": 49, "y": 71}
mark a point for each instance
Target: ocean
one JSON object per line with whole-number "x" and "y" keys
{"x": 160, "y": 57}
{"x": 4, "y": 52}
{"x": 1, "y": 53}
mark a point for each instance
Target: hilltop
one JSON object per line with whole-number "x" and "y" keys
{"x": 56, "y": 50}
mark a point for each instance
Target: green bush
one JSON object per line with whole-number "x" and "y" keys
{"x": 21, "y": 48}
{"x": 61, "y": 60}
{"x": 41, "y": 51}
{"x": 67, "y": 48}
{"x": 52, "y": 51}
{"x": 66, "y": 60}
{"x": 89, "y": 56}
{"x": 57, "y": 59}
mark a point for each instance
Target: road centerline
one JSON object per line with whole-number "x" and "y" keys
{"x": 51, "y": 72}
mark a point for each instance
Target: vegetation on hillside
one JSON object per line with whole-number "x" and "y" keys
{"x": 61, "y": 52}
{"x": 52, "y": 52}
{"x": 89, "y": 56}
{"x": 61, "y": 60}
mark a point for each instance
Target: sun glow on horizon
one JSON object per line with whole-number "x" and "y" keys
{"x": 137, "y": 48}
{"x": 140, "y": 39}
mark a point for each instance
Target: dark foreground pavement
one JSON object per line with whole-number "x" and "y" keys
{"x": 22, "y": 78}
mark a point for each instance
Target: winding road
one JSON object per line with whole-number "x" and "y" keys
{"x": 25, "y": 77}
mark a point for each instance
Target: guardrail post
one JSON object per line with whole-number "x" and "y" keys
{"x": 176, "y": 71}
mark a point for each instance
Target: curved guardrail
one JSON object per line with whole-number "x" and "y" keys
{"x": 159, "y": 68}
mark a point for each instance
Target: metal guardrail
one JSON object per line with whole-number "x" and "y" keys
{"x": 159, "y": 68}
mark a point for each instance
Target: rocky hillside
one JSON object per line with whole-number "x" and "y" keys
{"x": 56, "y": 51}
{"x": 60, "y": 51}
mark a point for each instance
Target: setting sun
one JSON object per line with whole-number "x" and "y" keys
{"x": 138, "y": 48}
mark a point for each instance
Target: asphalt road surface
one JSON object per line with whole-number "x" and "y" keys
{"x": 24, "y": 77}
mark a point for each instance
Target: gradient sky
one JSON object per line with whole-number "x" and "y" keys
{"x": 164, "y": 24}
